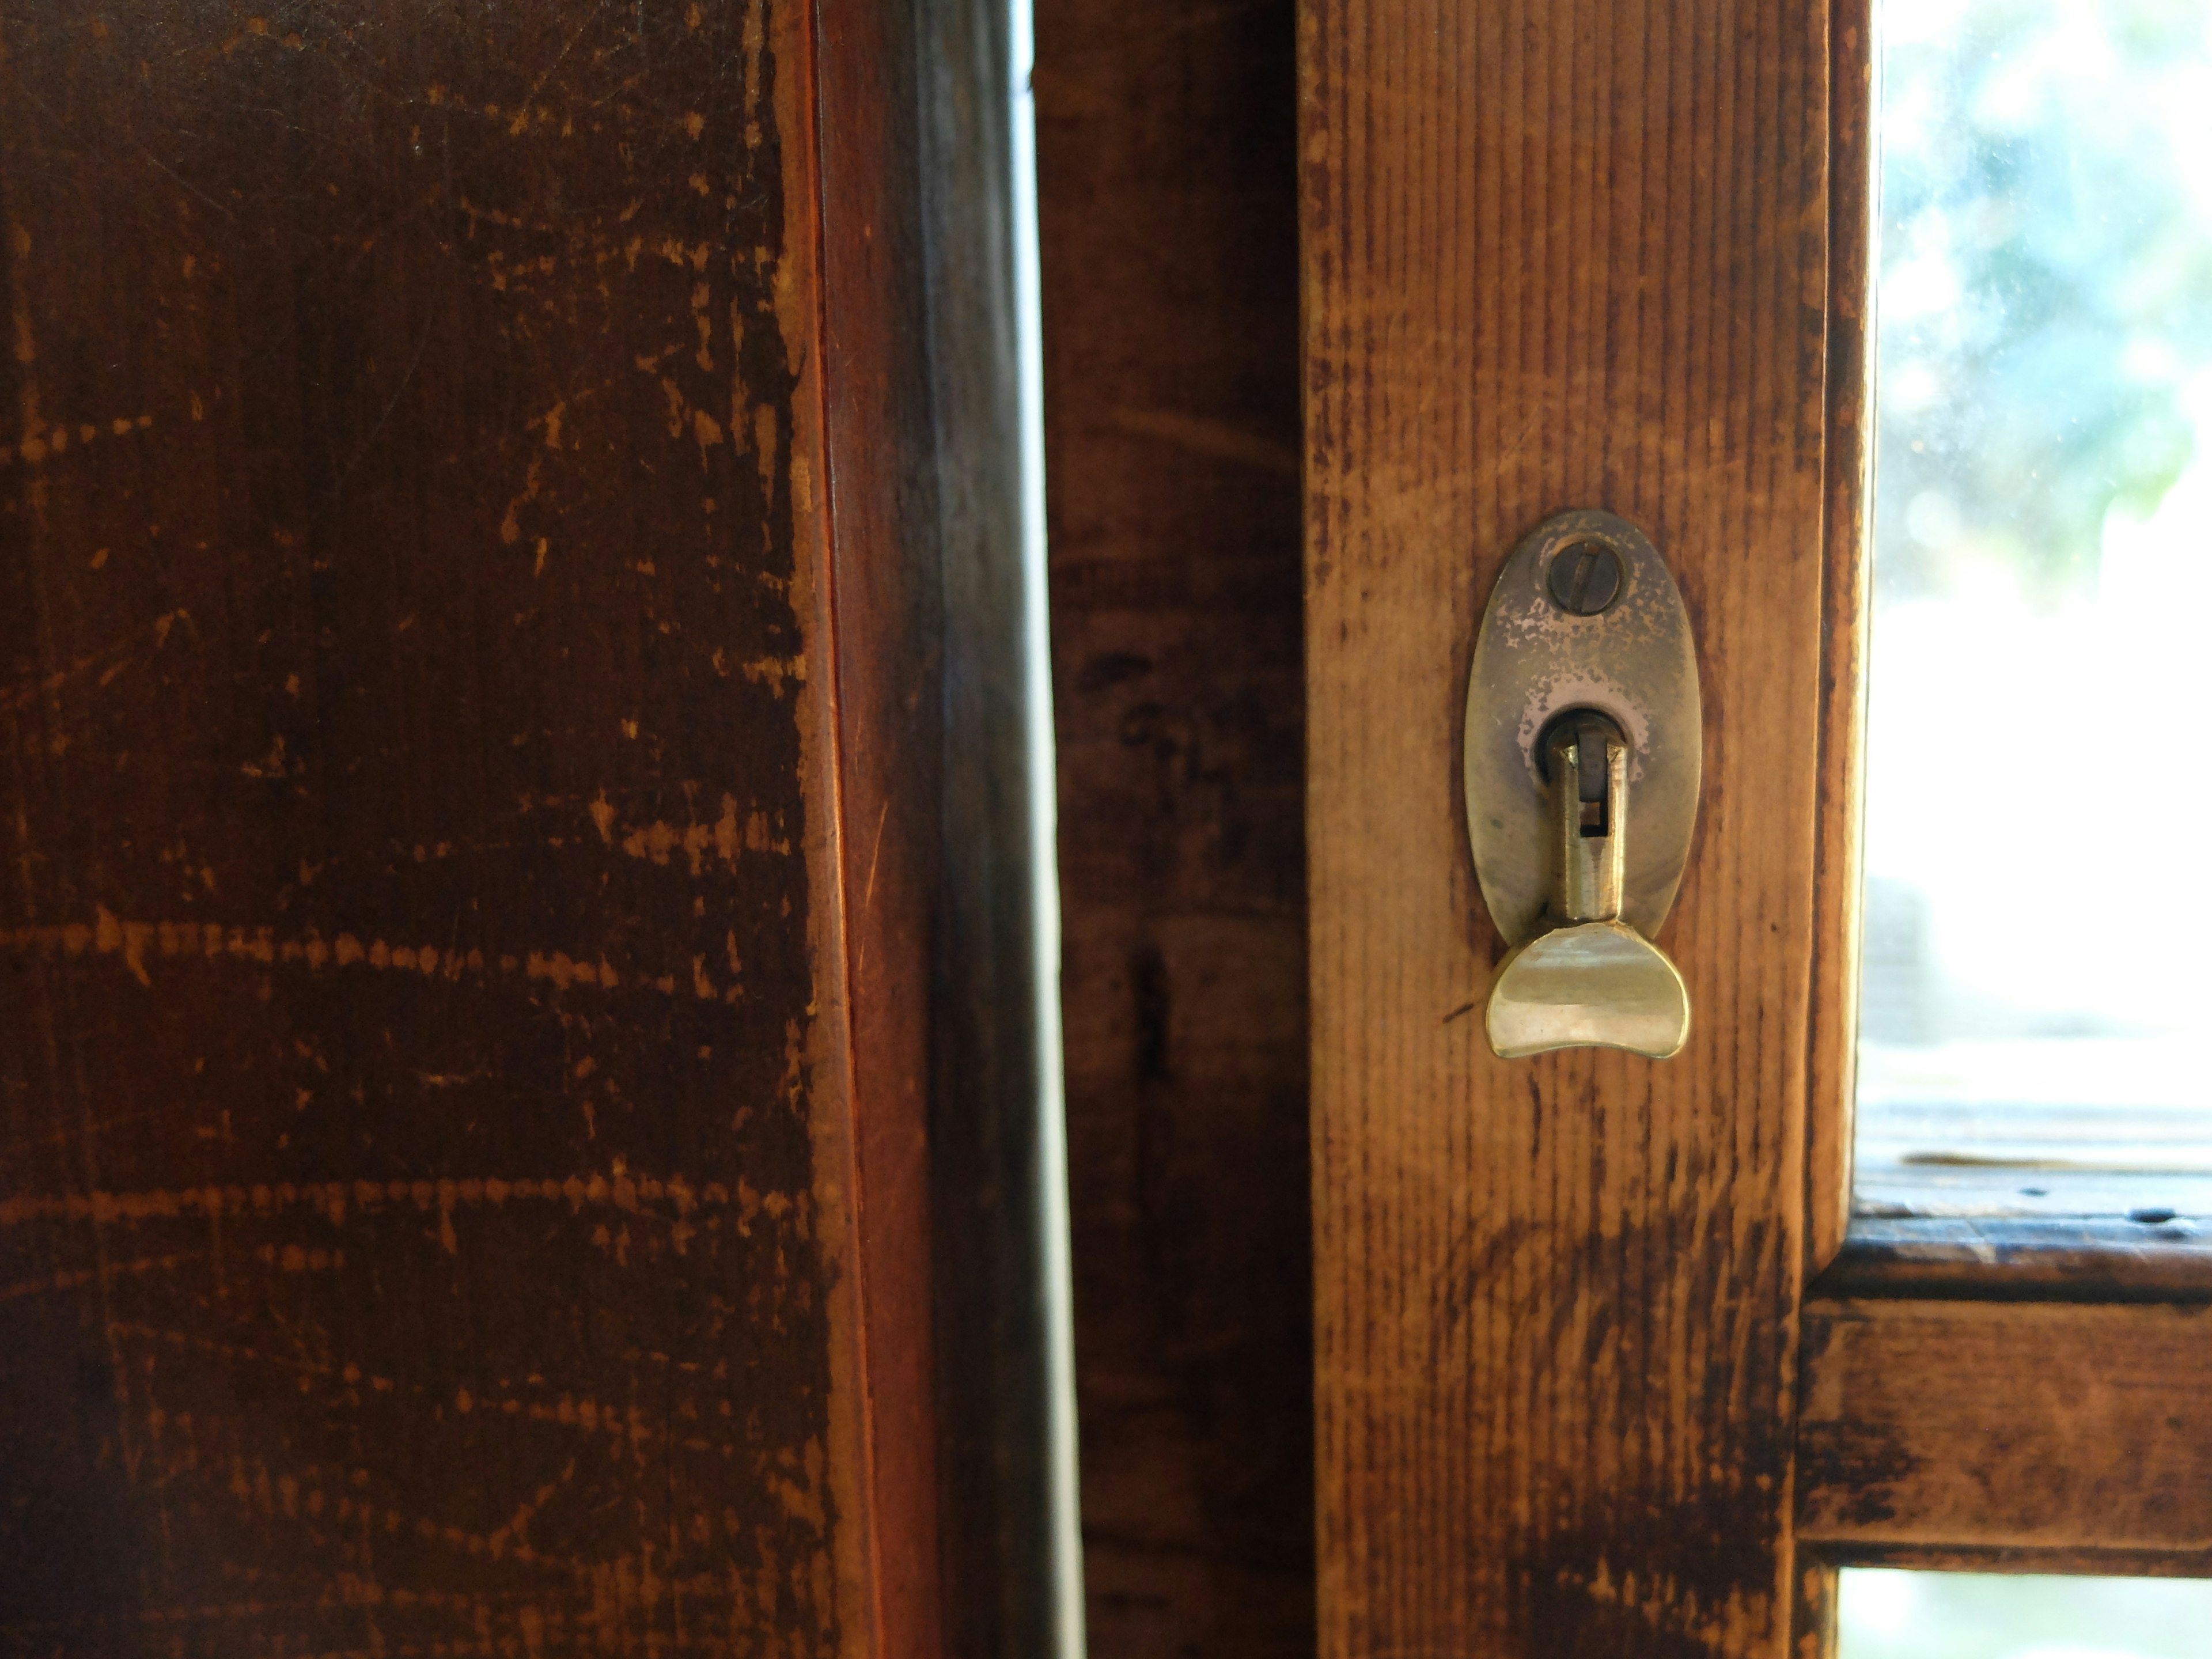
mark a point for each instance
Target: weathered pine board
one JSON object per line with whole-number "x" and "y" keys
{"x": 1557, "y": 256}
{"x": 459, "y": 1188}
{"x": 1168, "y": 179}
{"x": 2008, "y": 1434}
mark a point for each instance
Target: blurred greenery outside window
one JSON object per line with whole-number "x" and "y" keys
{"x": 2042, "y": 571}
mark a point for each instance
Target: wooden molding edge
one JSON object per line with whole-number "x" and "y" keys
{"x": 875, "y": 504}
{"x": 2071, "y": 1563}
{"x": 1846, "y": 557}
{"x": 2090, "y": 1259}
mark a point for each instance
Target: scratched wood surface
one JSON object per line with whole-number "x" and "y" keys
{"x": 1557, "y": 256}
{"x": 427, "y": 1206}
{"x": 2013, "y": 1434}
{"x": 1168, "y": 181}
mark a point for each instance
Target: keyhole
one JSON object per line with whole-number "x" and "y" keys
{"x": 1584, "y": 734}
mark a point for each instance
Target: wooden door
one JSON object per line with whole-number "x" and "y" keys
{"x": 491, "y": 532}
{"x": 1601, "y": 1367}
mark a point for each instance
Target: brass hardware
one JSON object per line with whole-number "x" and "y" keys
{"x": 1584, "y": 579}
{"x": 1584, "y": 684}
{"x": 1590, "y": 980}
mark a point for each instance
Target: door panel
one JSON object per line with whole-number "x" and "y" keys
{"x": 473, "y": 813}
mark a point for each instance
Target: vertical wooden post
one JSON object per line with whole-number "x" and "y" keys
{"x": 1557, "y": 256}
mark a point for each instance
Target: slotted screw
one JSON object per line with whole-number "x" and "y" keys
{"x": 1585, "y": 578}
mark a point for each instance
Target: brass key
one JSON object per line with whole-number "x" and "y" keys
{"x": 1588, "y": 980}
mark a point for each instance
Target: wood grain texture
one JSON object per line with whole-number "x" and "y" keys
{"x": 1557, "y": 256}
{"x": 461, "y": 1127}
{"x": 1169, "y": 217}
{"x": 2070, "y": 1436}
{"x": 1846, "y": 569}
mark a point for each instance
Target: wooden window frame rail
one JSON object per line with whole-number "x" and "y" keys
{"x": 1981, "y": 1395}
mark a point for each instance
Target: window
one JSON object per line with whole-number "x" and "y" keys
{"x": 2033, "y": 1011}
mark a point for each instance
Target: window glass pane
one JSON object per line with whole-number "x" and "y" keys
{"x": 2035, "y": 970}
{"x": 1965, "y": 1615}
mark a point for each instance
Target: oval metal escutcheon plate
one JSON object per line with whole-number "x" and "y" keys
{"x": 1585, "y": 614}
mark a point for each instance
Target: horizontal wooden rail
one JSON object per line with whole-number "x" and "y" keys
{"x": 2159, "y": 1258}
{"x": 2076, "y": 1561}
{"x": 2028, "y": 1435}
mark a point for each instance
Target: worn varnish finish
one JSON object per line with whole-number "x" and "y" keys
{"x": 1557, "y": 256}
{"x": 1168, "y": 178}
{"x": 459, "y": 1147}
{"x": 2038, "y": 1437}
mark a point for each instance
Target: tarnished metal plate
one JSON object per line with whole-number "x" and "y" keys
{"x": 1536, "y": 658}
